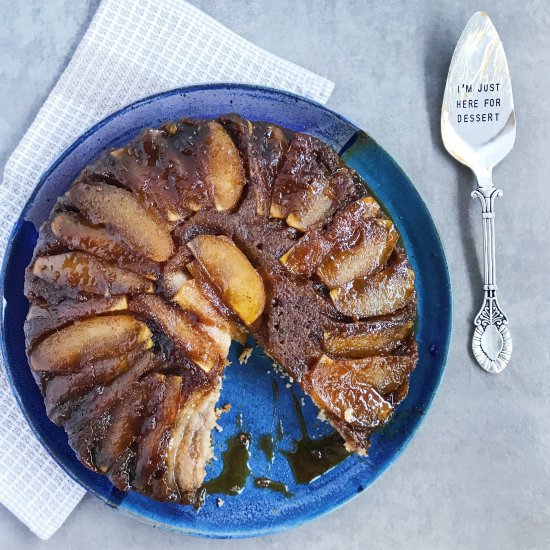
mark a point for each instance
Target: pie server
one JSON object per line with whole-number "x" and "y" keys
{"x": 478, "y": 126}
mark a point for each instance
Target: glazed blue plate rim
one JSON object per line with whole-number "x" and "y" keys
{"x": 436, "y": 379}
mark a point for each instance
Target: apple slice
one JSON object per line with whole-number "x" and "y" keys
{"x": 378, "y": 294}
{"x": 336, "y": 386}
{"x": 384, "y": 373}
{"x": 210, "y": 290}
{"x": 174, "y": 272}
{"x": 89, "y": 274}
{"x": 222, "y": 167}
{"x": 77, "y": 416}
{"x": 142, "y": 230}
{"x": 237, "y": 330}
{"x": 146, "y": 169}
{"x": 238, "y": 283}
{"x": 367, "y": 338}
{"x": 262, "y": 147}
{"x": 309, "y": 252}
{"x": 190, "y": 298}
{"x": 87, "y": 341}
{"x": 186, "y": 139}
{"x": 302, "y": 192}
{"x": 221, "y": 339}
{"x": 155, "y": 438}
{"x": 173, "y": 280}
{"x": 376, "y": 241}
{"x": 70, "y": 310}
{"x": 69, "y": 386}
{"x": 269, "y": 147}
{"x": 272, "y": 146}
{"x": 188, "y": 336}
{"x": 126, "y": 419}
{"x": 313, "y": 209}
{"x": 42, "y": 320}
{"x": 72, "y": 230}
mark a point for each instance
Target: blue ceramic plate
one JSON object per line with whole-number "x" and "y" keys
{"x": 249, "y": 388}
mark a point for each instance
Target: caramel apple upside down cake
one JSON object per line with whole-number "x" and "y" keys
{"x": 196, "y": 234}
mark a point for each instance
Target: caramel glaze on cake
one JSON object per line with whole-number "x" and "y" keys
{"x": 194, "y": 235}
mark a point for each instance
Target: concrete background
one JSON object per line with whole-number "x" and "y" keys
{"x": 477, "y": 475}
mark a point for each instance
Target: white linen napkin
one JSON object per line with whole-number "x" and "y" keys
{"x": 132, "y": 49}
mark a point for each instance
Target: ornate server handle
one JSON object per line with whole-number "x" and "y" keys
{"x": 491, "y": 343}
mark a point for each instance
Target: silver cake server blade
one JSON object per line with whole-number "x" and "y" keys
{"x": 478, "y": 126}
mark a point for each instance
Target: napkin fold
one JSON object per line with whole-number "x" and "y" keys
{"x": 131, "y": 49}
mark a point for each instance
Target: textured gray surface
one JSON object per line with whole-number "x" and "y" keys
{"x": 477, "y": 475}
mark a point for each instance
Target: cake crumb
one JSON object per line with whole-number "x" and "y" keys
{"x": 218, "y": 428}
{"x": 245, "y": 355}
{"x": 288, "y": 386}
{"x": 303, "y": 401}
{"x": 220, "y": 410}
{"x": 278, "y": 369}
{"x": 219, "y": 502}
{"x": 321, "y": 416}
{"x": 172, "y": 129}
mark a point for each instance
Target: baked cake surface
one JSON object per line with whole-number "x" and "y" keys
{"x": 194, "y": 235}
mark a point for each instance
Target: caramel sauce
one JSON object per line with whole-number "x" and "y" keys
{"x": 275, "y": 388}
{"x": 266, "y": 442}
{"x": 311, "y": 458}
{"x": 236, "y": 467}
{"x": 280, "y": 432}
{"x": 267, "y": 445}
{"x": 277, "y": 486}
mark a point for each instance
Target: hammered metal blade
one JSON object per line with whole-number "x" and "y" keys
{"x": 478, "y": 122}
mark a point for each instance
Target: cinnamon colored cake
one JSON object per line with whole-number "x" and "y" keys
{"x": 196, "y": 234}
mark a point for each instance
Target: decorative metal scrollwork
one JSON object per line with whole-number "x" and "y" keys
{"x": 491, "y": 343}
